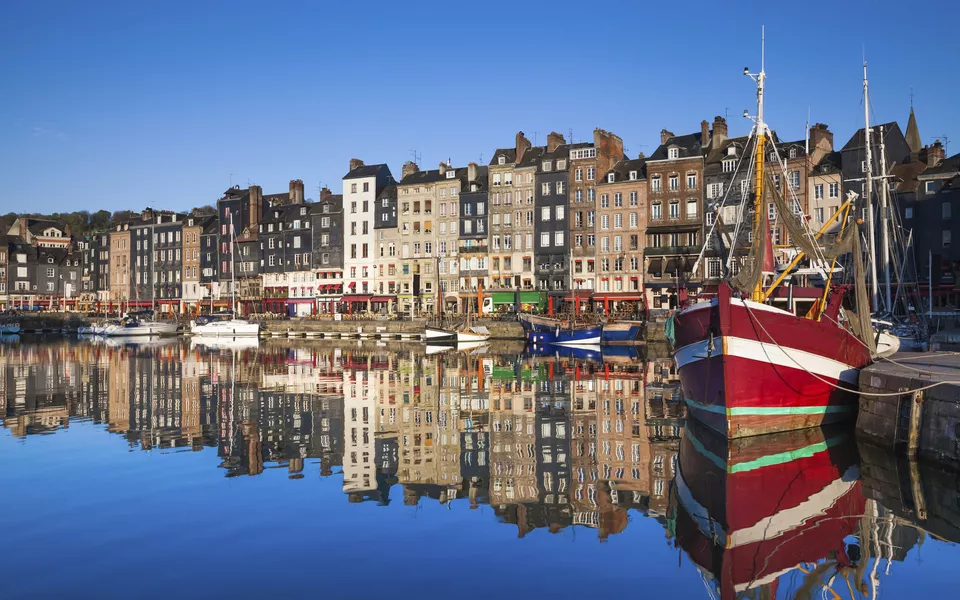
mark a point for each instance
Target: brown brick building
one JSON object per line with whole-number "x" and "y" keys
{"x": 588, "y": 163}
{"x": 120, "y": 264}
{"x": 675, "y": 227}
{"x": 622, "y": 216}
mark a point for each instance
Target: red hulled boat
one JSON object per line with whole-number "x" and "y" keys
{"x": 748, "y": 368}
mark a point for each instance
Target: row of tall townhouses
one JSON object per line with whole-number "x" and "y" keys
{"x": 559, "y": 227}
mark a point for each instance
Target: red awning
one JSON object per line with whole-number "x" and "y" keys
{"x": 616, "y": 296}
{"x": 383, "y": 299}
{"x": 353, "y": 285}
{"x": 358, "y": 298}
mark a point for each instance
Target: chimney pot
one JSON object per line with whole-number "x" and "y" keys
{"x": 355, "y": 163}
{"x": 522, "y": 145}
{"x": 665, "y": 135}
{"x": 704, "y": 133}
{"x": 409, "y": 168}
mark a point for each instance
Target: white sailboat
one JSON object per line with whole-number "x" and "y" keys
{"x": 226, "y": 325}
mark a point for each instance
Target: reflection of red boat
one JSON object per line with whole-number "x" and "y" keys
{"x": 753, "y": 509}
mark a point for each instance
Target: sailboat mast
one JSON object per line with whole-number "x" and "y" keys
{"x": 885, "y": 223}
{"x": 757, "y": 295}
{"x": 868, "y": 195}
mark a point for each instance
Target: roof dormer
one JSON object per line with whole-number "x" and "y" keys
{"x": 673, "y": 152}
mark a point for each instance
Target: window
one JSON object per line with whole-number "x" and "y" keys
{"x": 496, "y": 177}
{"x": 863, "y": 166}
{"x": 544, "y": 240}
{"x": 560, "y": 213}
{"x": 656, "y": 211}
{"x": 794, "y": 178}
{"x": 591, "y": 195}
{"x": 715, "y": 190}
{"x": 547, "y": 165}
{"x": 558, "y": 239}
{"x": 691, "y": 181}
{"x": 501, "y": 160}
{"x": 633, "y": 176}
{"x": 545, "y": 189}
{"x": 930, "y": 187}
{"x": 591, "y": 173}
{"x": 945, "y": 210}
{"x": 604, "y": 221}
{"x": 691, "y": 209}
{"x": 545, "y": 213}
{"x": 605, "y": 246}
{"x": 793, "y": 152}
{"x": 674, "y": 183}
{"x": 561, "y": 164}
{"x": 618, "y": 220}
{"x": 655, "y": 184}
{"x": 908, "y": 212}
{"x": 818, "y": 191}
{"x": 560, "y": 187}
{"x": 578, "y": 174}
{"x": 634, "y": 220}
{"x": 353, "y": 190}
{"x": 49, "y": 272}
{"x": 818, "y": 214}
{"x": 713, "y": 268}
{"x": 946, "y": 238}
{"x": 604, "y": 201}
{"x": 634, "y": 199}
{"x": 674, "y": 210}
{"x": 618, "y": 200}
{"x": 729, "y": 166}
{"x": 578, "y": 196}
{"x": 709, "y": 218}
{"x": 673, "y": 153}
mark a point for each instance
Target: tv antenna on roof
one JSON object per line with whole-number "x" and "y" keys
{"x": 417, "y": 157}
{"x": 946, "y": 144}
{"x": 536, "y": 135}
{"x": 570, "y": 133}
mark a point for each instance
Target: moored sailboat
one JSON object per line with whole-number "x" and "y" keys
{"x": 748, "y": 367}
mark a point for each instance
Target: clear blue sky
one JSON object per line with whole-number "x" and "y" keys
{"x": 127, "y": 104}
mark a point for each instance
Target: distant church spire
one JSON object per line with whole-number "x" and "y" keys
{"x": 913, "y": 132}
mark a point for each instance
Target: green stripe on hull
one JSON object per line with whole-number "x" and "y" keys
{"x": 769, "y": 410}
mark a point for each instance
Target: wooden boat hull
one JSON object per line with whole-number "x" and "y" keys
{"x": 622, "y": 332}
{"x": 436, "y": 335}
{"x": 749, "y": 369}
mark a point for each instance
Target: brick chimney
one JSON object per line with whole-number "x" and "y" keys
{"x": 409, "y": 168}
{"x": 296, "y": 191}
{"x": 641, "y": 156}
{"x": 22, "y": 221}
{"x": 935, "y": 154}
{"x": 821, "y": 133}
{"x": 472, "y": 172}
{"x": 443, "y": 167}
{"x": 609, "y": 148}
{"x": 67, "y": 231}
{"x": 256, "y": 207}
{"x": 325, "y": 193}
{"x": 665, "y": 135}
{"x": 554, "y": 141}
{"x": 355, "y": 163}
{"x": 704, "y": 133}
{"x": 522, "y": 145}
{"x": 719, "y": 134}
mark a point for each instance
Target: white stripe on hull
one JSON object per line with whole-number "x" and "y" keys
{"x": 767, "y": 353}
{"x": 592, "y": 341}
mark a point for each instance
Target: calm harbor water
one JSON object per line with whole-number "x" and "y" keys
{"x": 356, "y": 471}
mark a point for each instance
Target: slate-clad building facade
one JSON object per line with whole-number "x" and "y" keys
{"x": 551, "y": 224}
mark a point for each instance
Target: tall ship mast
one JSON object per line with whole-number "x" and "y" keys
{"x": 752, "y": 360}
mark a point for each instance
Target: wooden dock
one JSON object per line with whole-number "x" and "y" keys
{"x": 913, "y": 423}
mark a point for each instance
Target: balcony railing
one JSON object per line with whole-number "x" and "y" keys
{"x": 474, "y": 250}
{"x": 665, "y": 250}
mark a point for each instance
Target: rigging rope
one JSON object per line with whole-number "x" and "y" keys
{"x": 840, "y": 387}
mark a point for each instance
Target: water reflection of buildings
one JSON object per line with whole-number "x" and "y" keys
{"x": 547, "y": 442}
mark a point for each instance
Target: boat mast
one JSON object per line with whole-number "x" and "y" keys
{"x": 868, "y": 194}
{"x": 759, "y": 78}
{"x": 885, "y": 223}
